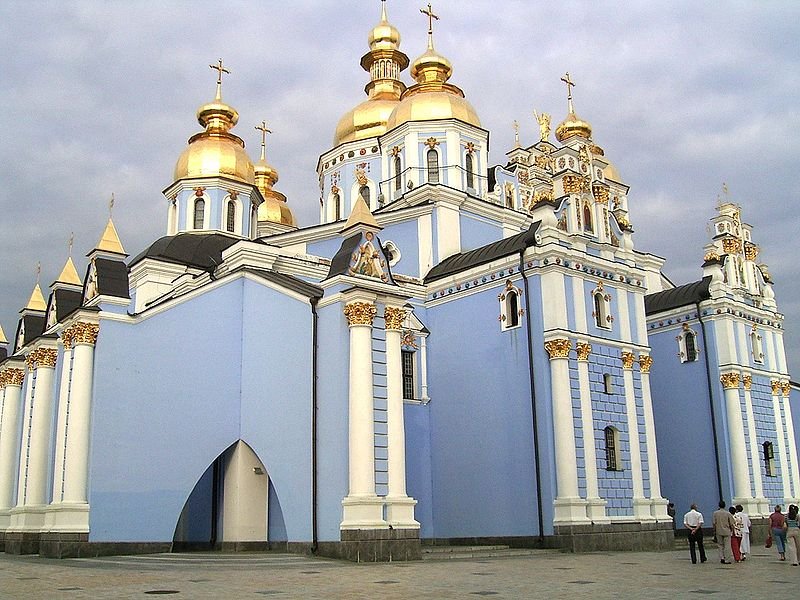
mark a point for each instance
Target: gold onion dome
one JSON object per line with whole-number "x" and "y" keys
{"x": 572, "y": 124}
{"x": 383, "y": 62}
{"x": 274, "y": 208}
{"x": 432, "y": 97}
{"x": 215, "y": 151}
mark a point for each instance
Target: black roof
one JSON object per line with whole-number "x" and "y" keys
{"x": 34, "y": 327}
{"x": 683, "y": 295}
{"x": 67, "y": 301}
{"x": 112, "y": 278}
{"x": 485, "y": 254}
{"x": 201, "y": 250}
{"x": 341, "y": 261}
{"x": 3, "y": 353}
{"x": 289, "y": 282}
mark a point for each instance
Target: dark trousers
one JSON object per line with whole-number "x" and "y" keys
{"x": 697, "y": 538}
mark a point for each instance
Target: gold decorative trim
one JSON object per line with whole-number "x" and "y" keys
{"x": 600, "y": 193}
{"x": 584, "y": 349}
{"x": 750, "y": 251}
{"x": 395, "y": 150}
{"x": 786, "y": 388}
{"x": 710, "y": 255}
{"x": 572, "y": 184}
{"x": 431, "y": 142}
{"x": 360, "y": 313}
{"x": 11, "y": 377}
{"x": 776, "y": 387}
{"x": 558, "y": 348}
{"x": 394, "y": 318}
{"x": 80, "y": 333}
{"x": 42, "y": 357}
{"x": 645, "y": 362}
{"x": 732, "y": 246}
{"x": 729, "y": 381}
{"x": 747, "y": 381}
{"x": 627, "y": 360}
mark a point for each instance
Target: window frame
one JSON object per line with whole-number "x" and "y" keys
{"x": 612, "y": 448}
{"x": 432, "y": 165}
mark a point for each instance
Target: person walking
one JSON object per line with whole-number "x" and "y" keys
{"x": 736, "y": 535}
{"x": 746, "y": 525}
{"x": 723, "y": 528}
{"x": 693, "y": 521}
{"x": 793, "y": 535}
{"x": 777, "y": 528}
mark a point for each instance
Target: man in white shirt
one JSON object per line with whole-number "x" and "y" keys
{"x": 693, "y": 521}
{"x": 746, "y": 524}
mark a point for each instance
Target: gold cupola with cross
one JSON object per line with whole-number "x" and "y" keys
{"x": 383, "y": 62}
{"x": 216, "y": 152}
{"x": 274, "y": 208}
{"x": 432, "y": 97}
{"x": 572, "y": 125}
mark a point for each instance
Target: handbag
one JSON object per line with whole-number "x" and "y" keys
{"x": 768, "y": 543}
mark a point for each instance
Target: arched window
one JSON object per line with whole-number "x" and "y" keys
{"x": 433, "y": 166}
{"x": 337, "y": 206}
{"x": 601, "y": 314}
{"x": 691, "y": 346}
{"x": 230, "y": 217}
{"x": 363, "y": 191}
{"x": 587, "y": 218}
{"x": 769, "y": 459}
{"x": 398, "y": 167}
{"x": 199, "y": 213}
{"x": 470, "y": 164}
{"x": 757, "y": 346}
{"x": 510, "y": 310}
{"x": 611, "y": 437}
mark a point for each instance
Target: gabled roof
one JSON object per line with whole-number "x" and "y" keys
{"x": 683, "y": 295}
{"x": 67, "y": 301}
{"x": 289, "y": 282}
{"x": 112, "y": 278}
{"x": 200, "y": 250}
{"x": 485, "y": 254}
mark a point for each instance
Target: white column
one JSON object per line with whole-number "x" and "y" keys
{"x": 641, "y": 506}
{"x": 569, "y": 507}
{"x": 11, "y": 379}
{"x": 61, "y": 422}
{"x": 761, "y": 503}
{"x": 78, "y": 427}
{"x": 399, "y": 507}
{"x": 794, "y": 468}
{"x": 658, "y": 505}
{"x": 362, "y": 507}
{"x": 736, "y": 445}
{"x": 44, "y": 360}
{"x": 595, "y": 505}
{"x": 27, "y": 409}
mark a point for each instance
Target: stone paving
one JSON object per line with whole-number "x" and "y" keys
{"x": 645, "y": 575}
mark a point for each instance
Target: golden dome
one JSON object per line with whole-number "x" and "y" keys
{"x": 215, "y": 151}
{"x": 573, "y": 125}
{"x": 611, "y": 172}
{"x": 383, "y": 62}
{"x": 274, "y": 208}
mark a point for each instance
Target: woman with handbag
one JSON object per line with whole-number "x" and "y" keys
{"x": 777, "y": 527}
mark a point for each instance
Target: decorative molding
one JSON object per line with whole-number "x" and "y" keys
{"x": 732, "y": 246}
{"x": 645, "y": 362}
{"x": 394, "y": 318}
{"x": 600, "y": 193}
{"x": 776, "y": 387}
{"x": 747, "y": 381}
{"x": 11, "y": 377}
{"x": 360, "y": 313}
{"x": 80, "y": 333}
{"x": 558, "y": 348}
{"x": 750, "y": 251}
{"x": 42, "y": 357}
{"x": 730, "y": 380}
{"x": 431, "y": 142}
{"x": 584, "y": 349}
{"x": 786, "y": 388}
{"x": 627, "y": 360}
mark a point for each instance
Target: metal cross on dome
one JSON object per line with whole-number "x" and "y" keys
{"x": 570, "y": 85}
{"x": 220, "y": 70}
{"x": 264, "y": 131}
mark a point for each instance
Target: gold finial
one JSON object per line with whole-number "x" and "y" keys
{"x": 220, "y": 70}
{"x": 264, "y": 131}
{"x": 71, "y": 243}
{"x": 38, "y": 271}
{"x": 111, "y": 206}
{"x": 566, "y": 79}
{"x": 431, "y": 17}
{"x": 383, "y": 11}
{"x": 516, "y": 133}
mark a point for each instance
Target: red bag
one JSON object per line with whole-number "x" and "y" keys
{"x": 768, "y": 543}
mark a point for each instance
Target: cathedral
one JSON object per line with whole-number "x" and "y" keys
{"x": 457, "y": 352}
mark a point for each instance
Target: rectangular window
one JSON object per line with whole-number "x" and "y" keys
{"x": 408, "y": 375}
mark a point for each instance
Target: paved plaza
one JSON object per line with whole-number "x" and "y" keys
{"x": 646, "y": 575}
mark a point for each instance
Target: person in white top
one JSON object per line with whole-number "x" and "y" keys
{"x": 746, "y": 524}
{"x": 693, "y": 521}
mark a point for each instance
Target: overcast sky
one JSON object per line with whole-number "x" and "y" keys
{"x": 100, "y": 97}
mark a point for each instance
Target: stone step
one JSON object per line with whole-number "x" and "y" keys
{"x": 469, "y": 552}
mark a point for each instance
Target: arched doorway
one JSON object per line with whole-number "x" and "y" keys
{"x": 229, "y": 505}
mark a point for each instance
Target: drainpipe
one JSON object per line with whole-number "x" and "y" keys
{"x": 533, "y": 396}
{"x": 314, "y": 525}
{"x": 710, "y": 400}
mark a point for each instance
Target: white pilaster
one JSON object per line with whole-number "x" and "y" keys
{"x": 61, "y": 423}
{"x": 554, "y": 301}
{"x": 595, "y": 505}
{"x": 399, "y": 507}
{"x": 641, "y": 505}
{"x": 736, "y": 445}
{"x": 793, "y": 469}
{"x": 657, "y": 503}
{"x": 11, "y": 379}
{"x": 569, "y": 507}
{"x": 362, "y": 507}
